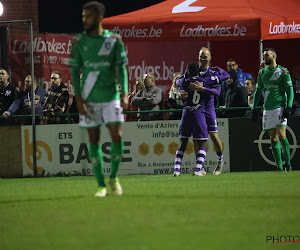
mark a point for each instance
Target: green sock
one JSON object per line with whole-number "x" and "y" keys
{"x": 286, "y": 151}
{"x": 97, "y": 163}
{"x": 277, "y": 154}
{"x": 116, "y": 153}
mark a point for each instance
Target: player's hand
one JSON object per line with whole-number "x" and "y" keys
{"x": 183, "y": 95}
{"x": 255, "y": 113}
{"x": 81, "y": 105}
{"x": 286, "y": 112}
{"x": 6, "y": 114}
{"x": 196, "y": 86}
{"x": 124, "y": 101}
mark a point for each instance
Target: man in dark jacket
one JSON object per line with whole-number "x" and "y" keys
{"x": 56, "y": 101}
{"x": 22, "y": 105}
{"x": 8, "y": 94}
{"x": 151, "y": 98}
{"x": 236, "y": 95}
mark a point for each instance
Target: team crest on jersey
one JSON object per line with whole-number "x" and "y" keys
{"x": 107, "y": 45}
{"x": 8, "y": 92}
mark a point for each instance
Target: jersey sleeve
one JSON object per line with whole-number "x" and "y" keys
{"x": 121, "y": 59}
{"x": 121, "y": 55}
{"x": 288, "y": 87}
{"x": 221, "y": 74}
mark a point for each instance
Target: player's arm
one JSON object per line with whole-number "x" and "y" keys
{"x": 123, "y": 81}
{"x": 75, "y": 63}
{"x": 289, "y": 92}
{"x": 216, "y": 90}
{"x": 221, "y": 74}
{"x": 121, "y": 59}
{"x": 258, "y": 92}
{"x": 288, "y": 88}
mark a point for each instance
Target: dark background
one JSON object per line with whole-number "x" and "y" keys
{"x": 64, "y": 16}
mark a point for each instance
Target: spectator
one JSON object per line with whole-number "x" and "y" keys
{"x": 8, "y": 93}
{"x": 22, "y": 104}
{"x": 56, "y": 101}
{"x": 174, "y": 100}
{"x": 166, "y": 94}
{"x": 296, "y": 88}
{"x": 236, "y": 96}
{"x": 139, "y": 84}
{"x": 241, "y": 75}
{"x": 250, "y": 86}
{"x": 149, "y": 99}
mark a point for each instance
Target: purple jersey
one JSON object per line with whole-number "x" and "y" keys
{"x": 194, "y": 97}
{"x": 212, "y": 80}
{"x": 204, "y": 118}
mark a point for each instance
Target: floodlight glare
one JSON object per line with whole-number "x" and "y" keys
{"x": 1, "y": 9}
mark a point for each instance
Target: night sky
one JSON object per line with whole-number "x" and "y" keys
{"x": 64, "y": 16}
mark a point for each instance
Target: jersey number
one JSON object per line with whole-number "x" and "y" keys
{"x": 196, "y": 97}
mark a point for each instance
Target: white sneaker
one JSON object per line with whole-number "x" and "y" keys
{"x": 218, "y": 169}
{"x": 102, "y": 192}
{"x": 200, "y": 173}
{"x": 115, "y": 186}
{"x": 176, "y": 174}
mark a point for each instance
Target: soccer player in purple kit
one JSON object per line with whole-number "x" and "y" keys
{"x": 192, "y": 121}
{"x": 206, "y": 86}
{"x": 214, "y": 76}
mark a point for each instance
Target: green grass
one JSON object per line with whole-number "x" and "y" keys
{"x": 230, "y": 211}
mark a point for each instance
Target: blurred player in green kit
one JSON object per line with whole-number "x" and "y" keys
{"x": 100, "y": 56}
{"x": 275, "y": 81}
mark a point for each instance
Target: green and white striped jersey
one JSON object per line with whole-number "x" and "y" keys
{"x": 98, "y": 56}
{"x": 275, "y": 84}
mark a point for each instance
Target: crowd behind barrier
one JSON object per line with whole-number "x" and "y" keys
{"x": 146, "y": 101}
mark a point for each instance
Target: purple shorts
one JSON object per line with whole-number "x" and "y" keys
{"x": 211, "y": 119}
{"x": 193, "y": 123}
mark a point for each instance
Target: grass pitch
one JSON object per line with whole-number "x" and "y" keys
{"x": 229, "y": 211}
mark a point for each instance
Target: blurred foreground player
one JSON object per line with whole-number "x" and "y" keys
{"x": 101, "y": 56}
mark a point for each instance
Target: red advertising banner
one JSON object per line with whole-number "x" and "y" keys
{"x": 51, "y": 53}
{"x": 280, "y": 28}
{"x": 161, "y": 59}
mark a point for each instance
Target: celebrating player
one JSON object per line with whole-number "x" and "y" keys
{"x": 192, "y": 121}
{"x": 100, "y": 55}
{"x": 275, "y": 81}
{"x": 212, "y": 77}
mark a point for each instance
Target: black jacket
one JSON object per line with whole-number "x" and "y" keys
{"x": 7, "y": 96}
{"x": 236, "y": 96}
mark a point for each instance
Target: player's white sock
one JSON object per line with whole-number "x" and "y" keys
{"x": 178, "y": 161}
{"x": 200, "y": 159}
{"x": 220, "y": 156}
